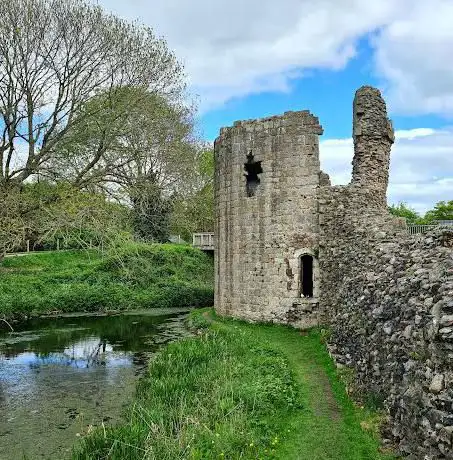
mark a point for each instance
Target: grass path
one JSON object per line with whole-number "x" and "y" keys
{"x": 329, "y": 425}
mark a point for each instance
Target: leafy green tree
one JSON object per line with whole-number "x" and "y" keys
{"x": 150, "y": 211}
{"x": 443, "y": 210}
{"x": 148, "y": 141}
{"x": 194, "y": 211}
{"x": 137, "y": 133}
{"x": 403, "y": 210}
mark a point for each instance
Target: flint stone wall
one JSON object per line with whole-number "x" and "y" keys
{"x": 389, "y": 301}
{"x": 387, "y": 296}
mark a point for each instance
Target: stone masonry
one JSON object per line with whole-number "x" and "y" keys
{"x": 293, "y": 249}
{"x": 373, "y": 138}
{"x": 264, "y": 226}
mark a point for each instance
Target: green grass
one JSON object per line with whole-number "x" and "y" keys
{"x": 133, "y": 277}
{"x": 239, "y": 391}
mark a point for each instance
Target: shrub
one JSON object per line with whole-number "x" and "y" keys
{"x": 132, "y": 276}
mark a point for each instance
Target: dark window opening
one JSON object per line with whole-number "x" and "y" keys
{"x": 306, "y": 276}
{"x": 252, "y": 169}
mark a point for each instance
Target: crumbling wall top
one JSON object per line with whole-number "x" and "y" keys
{"x": 373, "y": 138}
{"x": 302, "y": 119}
{"x": 370, "y": 115}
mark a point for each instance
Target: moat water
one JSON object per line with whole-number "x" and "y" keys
{"x": 60, "y": 377}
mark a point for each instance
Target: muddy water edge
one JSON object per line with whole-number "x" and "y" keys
{"x": 62, "y": 376}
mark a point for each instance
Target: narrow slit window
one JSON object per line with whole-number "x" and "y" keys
{"x": 306, "y": 276}
{"x": 252, "y": 170}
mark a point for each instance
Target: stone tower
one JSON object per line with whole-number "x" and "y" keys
{"x": 267, "y": 178}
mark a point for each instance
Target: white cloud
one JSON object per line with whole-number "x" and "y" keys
{"x": 413, "y": 133}
{"x": 336, "y": 159}
{"x": 235, "y": 48}
{"x": 421, "y": 168}
{"x": 414, "y": 57}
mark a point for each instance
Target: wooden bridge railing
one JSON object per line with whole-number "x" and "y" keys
{"x": 203, "y": 241}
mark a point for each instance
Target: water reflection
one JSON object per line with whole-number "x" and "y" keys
{"x": 58, "y": 376}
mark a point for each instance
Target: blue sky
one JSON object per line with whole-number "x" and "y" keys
{"x": 254, "y": 58}
{"x": 326, "y": 93}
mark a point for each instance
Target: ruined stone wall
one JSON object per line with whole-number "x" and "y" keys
{"x": 260, "y": 238}
{"x": 388, "y": 299}
{"x": 373, "y": 138}
{"x": 389, "y": 302}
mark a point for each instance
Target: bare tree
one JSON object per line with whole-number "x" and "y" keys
{"x": 54, "y": 57}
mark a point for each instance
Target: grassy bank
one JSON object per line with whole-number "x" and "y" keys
{"x": 135, "y": 276}
{"x": 239, "y": 391}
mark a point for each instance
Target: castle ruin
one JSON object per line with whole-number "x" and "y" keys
{"x": 292, "y": 249}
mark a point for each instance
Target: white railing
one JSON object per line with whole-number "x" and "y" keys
{"x": 204, "y": 241}
{"x": 418, "y": 229}
{"x": 415, "y": 229}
